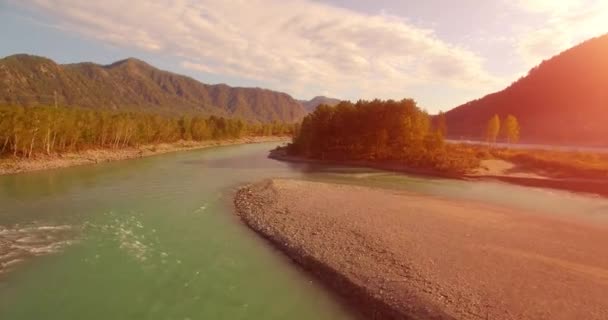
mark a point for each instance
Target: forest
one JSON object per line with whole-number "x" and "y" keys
{"x": 380, "y": 131}
{"x": 25, "y": 132}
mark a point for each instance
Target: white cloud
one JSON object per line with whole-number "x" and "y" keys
{"x": 551, "y": 6}
{"x": 565, "y": 23}
{"x": 291, "y": 45}
{"x": 197, "y": 66}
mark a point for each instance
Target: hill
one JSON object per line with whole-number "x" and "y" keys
{"x": 311, "y": 105}
{"x": 133, "y": 84}
{"x": 564, "y": 100}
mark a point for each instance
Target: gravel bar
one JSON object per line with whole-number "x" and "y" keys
{"x": 398, "y": 255}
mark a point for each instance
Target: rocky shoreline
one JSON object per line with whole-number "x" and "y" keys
{"x": 397, "y": 255}
{"x": 43, "y": 162}
{"x": 250, "y": 207}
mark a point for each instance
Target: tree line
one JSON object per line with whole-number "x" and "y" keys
{"x": 378, "y": 130}
{"x": 25, "y": 132}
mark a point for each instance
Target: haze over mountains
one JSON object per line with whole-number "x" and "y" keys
{"x": 134, "y": 84}
{"x": 312, "y": 104}
{"x": 562, "y": 101}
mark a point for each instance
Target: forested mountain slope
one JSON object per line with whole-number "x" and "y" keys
{"x": 133, "y": 84}
{"x": 564, "y": 100}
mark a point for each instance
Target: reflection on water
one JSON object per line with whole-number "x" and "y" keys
{"x": 157, "y": 238}
{"x": 57, "y": 182}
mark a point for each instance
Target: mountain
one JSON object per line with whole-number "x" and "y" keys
{"x": 564, "y": 100}
{"x": 311, "y": 105}
{"x": 134, "y": 84}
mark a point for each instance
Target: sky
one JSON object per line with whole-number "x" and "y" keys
{"x": 442, "y": 53}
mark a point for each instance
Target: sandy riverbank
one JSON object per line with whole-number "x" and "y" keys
{"x": 508, "y": 172}
{"x": 42, "y": 162}
{"x": 489, "y": 170}
{"x": 398, "y": 255}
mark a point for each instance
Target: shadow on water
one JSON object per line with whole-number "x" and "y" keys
{"x": 258, "y": 161}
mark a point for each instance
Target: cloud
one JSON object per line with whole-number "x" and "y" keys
{"x": 198, "y": 67}
{"x": 549, "y": 6}
{"x": 291, "y": 45}
{"x": 565, "y": 24}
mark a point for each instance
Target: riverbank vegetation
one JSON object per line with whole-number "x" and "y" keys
{"x": 380, "y": 131}
{"x": 26, "y": 132}
{"x": 555, "y": 164}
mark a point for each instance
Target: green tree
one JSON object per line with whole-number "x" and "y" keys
{"x": 510, "y": 129}
{"x": 493, "y": 129}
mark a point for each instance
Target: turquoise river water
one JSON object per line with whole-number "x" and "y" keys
{"x": 156, "y": 238}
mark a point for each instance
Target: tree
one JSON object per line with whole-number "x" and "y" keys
{"x": 25, "y": 132}
{"x": 442, "y": 124}
{"x": 378, "y": 131}
{"x": 493, "y": 129}
{"x": 510, "y": 129}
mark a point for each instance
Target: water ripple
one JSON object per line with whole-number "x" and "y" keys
{"x": 22, "y": 242}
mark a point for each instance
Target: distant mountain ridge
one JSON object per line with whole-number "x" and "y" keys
{"x": 564, "y": 100}
{"x": 134, "y": 84}
{"x": 311, "y": 105}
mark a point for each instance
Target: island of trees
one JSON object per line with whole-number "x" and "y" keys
{"x": 25, "y": 132}
{"x": 380, "y": 131}
{"x": 398, "y": 132}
